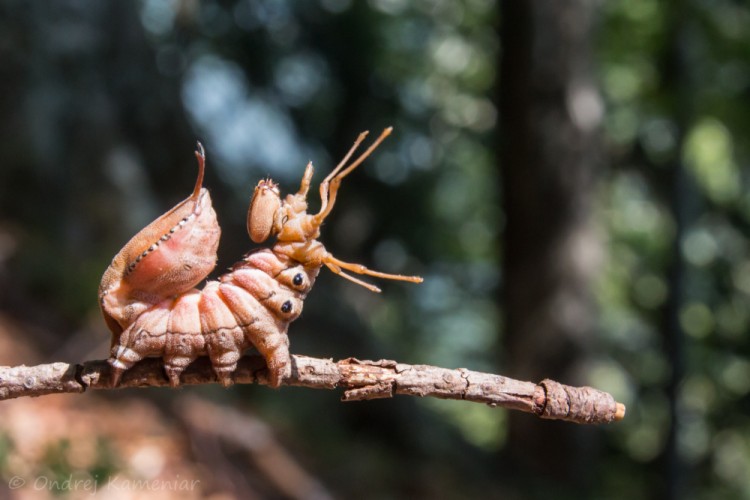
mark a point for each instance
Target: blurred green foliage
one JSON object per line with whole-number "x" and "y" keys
{"x": 674, "y": 77}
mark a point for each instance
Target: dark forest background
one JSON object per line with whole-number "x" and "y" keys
{"x": 568, "y": 176}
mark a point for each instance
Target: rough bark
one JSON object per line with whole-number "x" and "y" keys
{"x": 360, "y": 379}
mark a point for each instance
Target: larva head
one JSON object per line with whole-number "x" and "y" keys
{"x": 263, "y": 216}
{"x": 298, "y": 230}
{"x": 168, "y": 257}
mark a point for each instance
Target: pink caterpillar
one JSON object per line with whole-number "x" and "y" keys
{"x": 148, "y": 295}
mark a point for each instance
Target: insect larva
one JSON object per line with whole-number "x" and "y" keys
{"x": 148, "y": 298}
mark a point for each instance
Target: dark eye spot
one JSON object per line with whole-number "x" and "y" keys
{"x": 298, "y": 279}
{"x": 286, "y": 307}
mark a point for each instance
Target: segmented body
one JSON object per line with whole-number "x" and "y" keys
{"x": 148, "y": 295}
{"x": 251, "y": 306}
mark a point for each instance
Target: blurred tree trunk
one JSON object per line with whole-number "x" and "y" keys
{"x": 676, "y": 82}
{"x": 550, "y": 112}
{"x": 93, "y": 125}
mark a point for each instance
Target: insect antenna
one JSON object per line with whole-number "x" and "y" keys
{"x": 328, "y": 191}
{"x": 337, "y": 270}
{"x": 330, "y": 185}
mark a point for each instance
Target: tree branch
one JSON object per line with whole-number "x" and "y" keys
{"x": 360, "y": 380}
